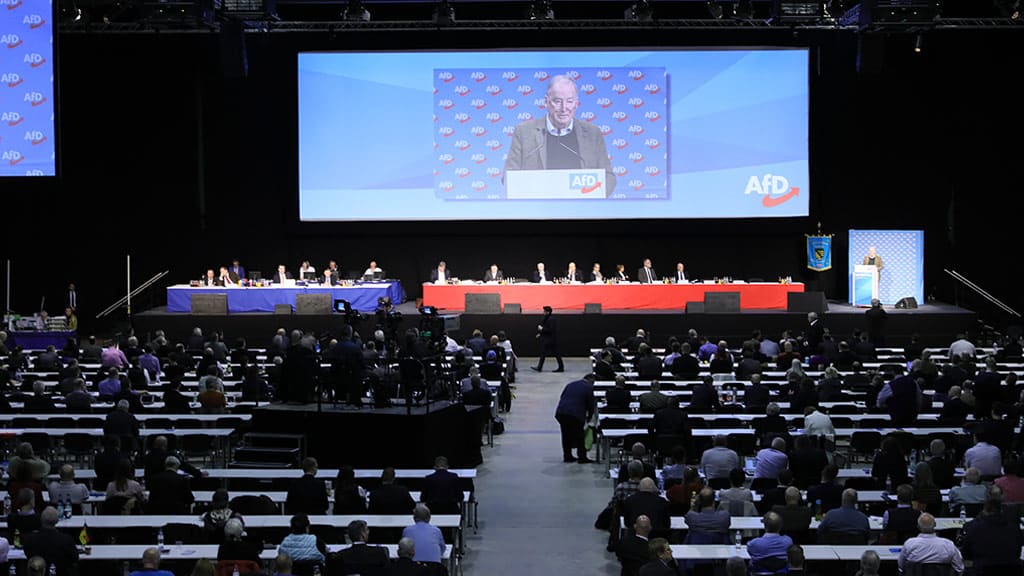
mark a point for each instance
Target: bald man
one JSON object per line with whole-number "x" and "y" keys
{"x": 928, "y": 548}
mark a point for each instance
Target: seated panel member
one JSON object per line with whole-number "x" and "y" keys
{"x": 620, "y": 273}
{"x": 595, "y": 274}
{"x": 282, "y": 274}
{"x": 572, "y": 275}
{"x": 540, "y": 275}
{"x": 441, "y": 274}
{"x": 329, "y": 278}
{"x": 493, "y": 274}
{"x": 680, "y": 276}
{"x": 646, "y": 273}
{"x": 374, "y": 270}
{"x": 210, "y": 279}
{"x": 227, "y": 278}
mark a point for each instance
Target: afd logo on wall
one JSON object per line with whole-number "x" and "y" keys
{"x": 26, "y": 89}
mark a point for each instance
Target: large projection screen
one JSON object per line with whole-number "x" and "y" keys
{"x": 524, "y": 135}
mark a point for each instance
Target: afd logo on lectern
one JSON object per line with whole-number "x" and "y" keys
{"x": 773, "y": 189}
{"x": 585, "y": 183}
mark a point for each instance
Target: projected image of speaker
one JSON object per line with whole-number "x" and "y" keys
{"x": 907, "y": 303}
{"x": 722, "y": 302}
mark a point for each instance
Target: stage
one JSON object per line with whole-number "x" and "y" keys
{"x": 377, "y": 437}
{"x": 936, "y": 323}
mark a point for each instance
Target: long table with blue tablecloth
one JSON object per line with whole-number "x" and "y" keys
{"x": 362, "y": 297}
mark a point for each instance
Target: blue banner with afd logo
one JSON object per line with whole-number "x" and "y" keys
{"x": 819, "y": 252}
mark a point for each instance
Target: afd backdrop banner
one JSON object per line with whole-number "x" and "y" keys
{"x": 26, "y": 88}
{"x": 474, "y": 126}
{"x": 423, "y": 135}
{"x": 902, "y": 253}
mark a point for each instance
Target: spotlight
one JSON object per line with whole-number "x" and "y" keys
{"x": 78, "y": 15}
{"x": 918, "y": 44}
{"x": 356, "y": 12}
{"x": 714, "y": 9}
{"x": 541, "y": 10}
{"x": 641, "y": 11}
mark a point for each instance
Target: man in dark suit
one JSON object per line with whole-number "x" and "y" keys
{"x": 227, "y": 278}
{"x": 155, "y": 461}
{"x": 237, "y": 269}
{"x": 361, "y": 558}
{"x": 91, "y": 352}
{"x": 282, "y": 274}
{"x": 685, "y": 366}
{"x": 307, "y": 495}
{"x": 390, "y": 498}
{"x": 704, "y": 398}
{"x": 646, "y": 273}
{"x": 828, "y": 493}
{"x": 56, "y": 548}
{"x": 441, "y": 273}
{"x": 48, "y": 360}
{"x": 603, "y": 368}
{"x": 648, "y": 502}
{"x": 493, "y": 274}
{"x": 815, "y": 332}
{"x": 954, "y": 409}
{"x": 572, "y": 274}
{"x": 347, "y": 367}
{"x": 169, "y": 491}
{"x": 632, "y": 548}
{"x": 442, "y": 490}
{"x": 541, "y": 275}
{"x": 123, "y": 424}
{"x": 671, "y": 421}
{"x": 557, "y": 141}
{"x": 404, "y": 565}
{"x": 757, "y": 396}
{"x": 806, "y": 462}
{"x": 648, "y": 366}
{"x": 39, "y": 402}
{"x": 943, "y": 469}
{"x": 547, "y": 333}
{"x": 662, "y": 563}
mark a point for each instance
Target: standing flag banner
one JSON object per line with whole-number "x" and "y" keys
{"x": 819, "y": 252}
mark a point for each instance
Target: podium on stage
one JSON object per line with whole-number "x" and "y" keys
{"x": 572, "y": 184}
{"x": 864, "y": 284}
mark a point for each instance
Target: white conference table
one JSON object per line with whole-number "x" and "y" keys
{"x": 252, "y": 522}
{"x": 134, "y": 552}
{"x": 818, "y": 552}
{"x": 275, "y": 473}
{"x": 756, "y": 523}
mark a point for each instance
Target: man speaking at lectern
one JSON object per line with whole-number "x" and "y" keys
{"x": 557, "y": 141}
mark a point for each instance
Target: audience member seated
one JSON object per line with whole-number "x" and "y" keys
{"x": 772, "y": 425}
{"x": 216, "y": 516}
{"x": 756, "y": 396}
{"x": 771, "y": 461}
{"x": 806, "y": 462}
{"x": 828, "y": 494}
{"x": 768, "y": 552}
{"x": 846, "y": 524}
{"x": 954, "y": 410}
{"x": 235, "y": 546}
{"x": 123, "y": 424}
{"x": 719, "y": 460}
{"x": 870, "y": 564}
{"x": 1011, "y": 482}
{"x": 929, "y": 548}
{"x": 671, "y": 421}
{"x": 737, "y": 491}
{"x": 902, "y": 398}
{"x": 985, "y": 457}
{"x": 212, "y": 401}
{"x": 169, "y": 491}
{"x": 111, "y": 385}
{"x": 817, "y": 423}
{"x": 78, "y": 401}
{"x": 151, "y": 564}
{"x": 704, "y": 398}
{"x": 57, "y": 548}
{"x": 301, "y": 546}
{"x": 993, "y": 541}
{"x": 25, "y": 466}
{"x": 927, "y": 494}
{"x": 174, "y": 401}
{"x": 155, "y": 461}
{"x": 349, "y": 496}
{"x": 890, "y": 465}
{"x": 307, "y": 495}
{"x": 651, "y": 402}
{"x": 67, "y": 490}
{"x": 254, "y": 386}
{"x": 686, "y": 366}
{"x": 646, "y": 501}
{"x": 123, "y": 492}
{"x": 430, "y": 546}
{"x": 442, "y": 490}
{"x": 39, "y": 402}
{"x": 616, "y": 400}
{"x": 662, "y": 563}
{"x": 648, "y": 365}
{"x": 942, "y": 468}
{"x": 680, "y": 494}
{"x": 775, "y": 495}
{"x": 638, "y": 453}
{"x": 389, "y": 497}
{"x": 360, "y": 557}
{"x": 706, "y": 524}
{"x": 970, "y": 491}
{"x": 796, "y": 516}
{"x": 23, "y": 516}
{"x": 901, "y": 522}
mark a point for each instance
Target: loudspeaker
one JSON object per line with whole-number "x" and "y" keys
{"x": 210, "y": 304}
{"x": 513, "y": 308}
{"x": 592, "y": 308}
{"x": 483, "y": 303}
{"x": 722, "y": 302}
{"x": 903, "y": 304}
{"x": 283, "y": 309}
{"x": 694, "y": 307}
{"x": 314, "y": 303}
{"x": 806, "y": 302}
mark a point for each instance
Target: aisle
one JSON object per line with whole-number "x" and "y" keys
{"x": 536, "y": 512}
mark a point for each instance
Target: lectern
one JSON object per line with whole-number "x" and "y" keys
{"x": 864, "y": 285}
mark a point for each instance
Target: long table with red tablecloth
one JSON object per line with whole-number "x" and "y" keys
{"x": 533, "y": 297}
